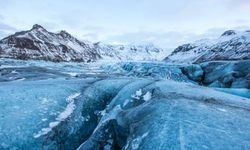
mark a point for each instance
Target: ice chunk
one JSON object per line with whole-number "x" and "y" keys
{"x": 147, "y": 96}
{"x": 138, "y": 93}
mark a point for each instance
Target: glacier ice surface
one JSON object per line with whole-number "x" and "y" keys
{"x": 125, "y": 105}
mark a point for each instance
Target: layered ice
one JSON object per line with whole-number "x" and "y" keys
{"x": 125, "y": 105}
{"x": 176, "y": 117}
{"x": 30, "y": 109}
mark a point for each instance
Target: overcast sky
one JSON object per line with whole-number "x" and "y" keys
{"x": 166, "y": 23}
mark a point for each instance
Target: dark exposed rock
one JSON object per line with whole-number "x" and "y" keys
{"x": 228, "y": 33}
{"x": 23, "y": 43}
{"x": 37, "y": 26}
{"x": 1, "y": 50}
{"x": 183, "y": 48}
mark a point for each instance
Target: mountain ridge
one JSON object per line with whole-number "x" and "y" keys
{"x": 231, "y": 45}
{"x": 40, "y": 44}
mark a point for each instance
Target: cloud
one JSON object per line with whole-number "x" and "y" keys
{"x": 4, "y": 4}
{"x": 239, "y": 5}
{"x": 4, "y": 26}
{"x": 163, "y": 22}
{"x": 5, "y": 30}
{"x": 166, "y": 39}
{"x": 240, "y": 2}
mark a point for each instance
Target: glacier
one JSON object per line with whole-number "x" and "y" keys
{"x": 121, "y": 105}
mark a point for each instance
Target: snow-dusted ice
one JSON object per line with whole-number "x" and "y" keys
{"x": 30, "y": 109}
{"x": 124, "y": 105}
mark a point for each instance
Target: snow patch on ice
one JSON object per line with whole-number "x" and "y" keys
{"x": 73, "y": 74}
{"x": 61, "y": 117}
{"x": 136, "y": 142}
{"x": 70, "y": 107}
{"x": 222, "y": 109}
{"x": 87, "y": 118}
{"x": 126, "y": 102}
{"x": 44, "y": 119}
{"x": 109, "y": 116}
{"x": 147, "y": 96}
{"x": 137, "y": 94}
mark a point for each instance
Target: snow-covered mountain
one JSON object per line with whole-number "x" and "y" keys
{"x": 38, "y": 43}
{"x": 231, "y": 45}
{"x": 129, "y": 52}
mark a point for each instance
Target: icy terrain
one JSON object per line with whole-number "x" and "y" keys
{"x": 125, "y": 105}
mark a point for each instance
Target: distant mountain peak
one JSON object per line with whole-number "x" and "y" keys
{"x": 65, "y": 34}
{"x": 229, "y": 33}
{"x": 37, "y": 26}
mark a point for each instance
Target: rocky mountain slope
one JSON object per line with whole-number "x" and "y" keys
{"x": 231, "y": 45}
{"x": 40, "y": 44}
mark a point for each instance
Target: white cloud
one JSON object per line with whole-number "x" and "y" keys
{"x": 6, "y": 30}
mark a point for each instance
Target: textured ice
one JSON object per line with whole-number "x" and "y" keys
{"x": 222, "y": 74}
{"x": 30, "y": 109}
{"x": 125, "y": 105}
{"x": 236, "y": 91}
{"x": 156, "y": 70}
{"x": 176, "y": 118}
{"x": 61, "y": 117}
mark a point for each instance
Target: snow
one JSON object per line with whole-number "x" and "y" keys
{"x": 126, "y": 102}
{"x": 232, "y": 47}
{"x": 61, "y": 117}
{"x": 147, "y": 96}
{"x": 73, "y": 74}
{"x": 78, "y": 48}
{"x": 69, "y": 109}
{"x": 136, "y": 142}
{"x": 222, "y": 109}
{"x": 130, "y": 52}
{"x": 138, "y": 93}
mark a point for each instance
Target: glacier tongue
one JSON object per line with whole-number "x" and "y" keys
{"x": 125, "y": 105}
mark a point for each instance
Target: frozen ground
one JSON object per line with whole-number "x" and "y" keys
{"x": 125, "y": 105}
